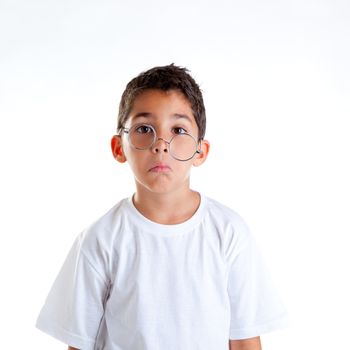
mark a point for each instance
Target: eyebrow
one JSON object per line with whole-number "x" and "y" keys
{"x": 175, "y": 115}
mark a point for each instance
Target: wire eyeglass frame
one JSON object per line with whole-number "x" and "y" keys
{"x": 155, "y": 139}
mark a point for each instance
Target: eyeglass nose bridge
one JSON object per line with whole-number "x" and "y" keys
{"x": 161, "y": 138}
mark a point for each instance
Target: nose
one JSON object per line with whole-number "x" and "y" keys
{"x": 160, "y": 146}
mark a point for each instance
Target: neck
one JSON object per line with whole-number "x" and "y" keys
{"x": 167, "y": 208}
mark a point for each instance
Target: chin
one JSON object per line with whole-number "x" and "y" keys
{"x": 155, "y": 186}
{"x": 162, "y": 184}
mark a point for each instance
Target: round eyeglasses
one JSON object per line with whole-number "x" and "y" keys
{"x": 181, "y": 147}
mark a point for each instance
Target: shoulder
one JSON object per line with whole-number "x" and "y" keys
{"x": 231, "y": 229}
{"x": 98, "y": 237}
{"x": 93, "y": 248}
{"x": 225, "y": 217}
{"x": 108, "y": 222}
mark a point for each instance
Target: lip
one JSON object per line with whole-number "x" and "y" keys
{"x": 160, "y": 168}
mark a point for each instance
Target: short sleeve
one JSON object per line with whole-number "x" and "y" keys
{"x": 74, "y": 307}
{"x": 255, "y": 305}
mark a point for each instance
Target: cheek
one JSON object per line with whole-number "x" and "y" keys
{"x": 184, "y": 169}
{"x": 128, "y": 151}
{"x": 135, "y": 159}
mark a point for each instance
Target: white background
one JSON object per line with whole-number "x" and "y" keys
{"x": 276, "y": 81}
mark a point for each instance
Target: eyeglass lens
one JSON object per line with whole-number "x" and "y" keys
{"x": 181, "y": 147}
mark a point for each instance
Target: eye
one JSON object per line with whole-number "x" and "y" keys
{"x": 143, "y": 129}
{"x": 180, "y": 130}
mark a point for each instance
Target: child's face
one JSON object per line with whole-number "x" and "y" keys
{"x": 154, "y": 168}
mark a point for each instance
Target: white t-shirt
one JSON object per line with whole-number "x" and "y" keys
{"x": 129, "y": 283}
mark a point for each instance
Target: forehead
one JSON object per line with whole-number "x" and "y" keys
{"x": 158, "y": 104}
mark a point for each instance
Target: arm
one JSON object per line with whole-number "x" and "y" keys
{"x": 246, "y": 344}
{"x": 70, "y": 348}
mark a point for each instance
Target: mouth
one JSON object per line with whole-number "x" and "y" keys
{"x": 160, "y": 168}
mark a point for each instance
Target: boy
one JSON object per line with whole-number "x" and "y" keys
{"x": 167, "y": 268}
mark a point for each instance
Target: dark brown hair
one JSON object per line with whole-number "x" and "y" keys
{"x": 164, "y": 78}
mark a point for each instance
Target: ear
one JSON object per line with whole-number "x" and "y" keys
{"x": 200, "y": 158}
{"x": 117, "y": 149}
